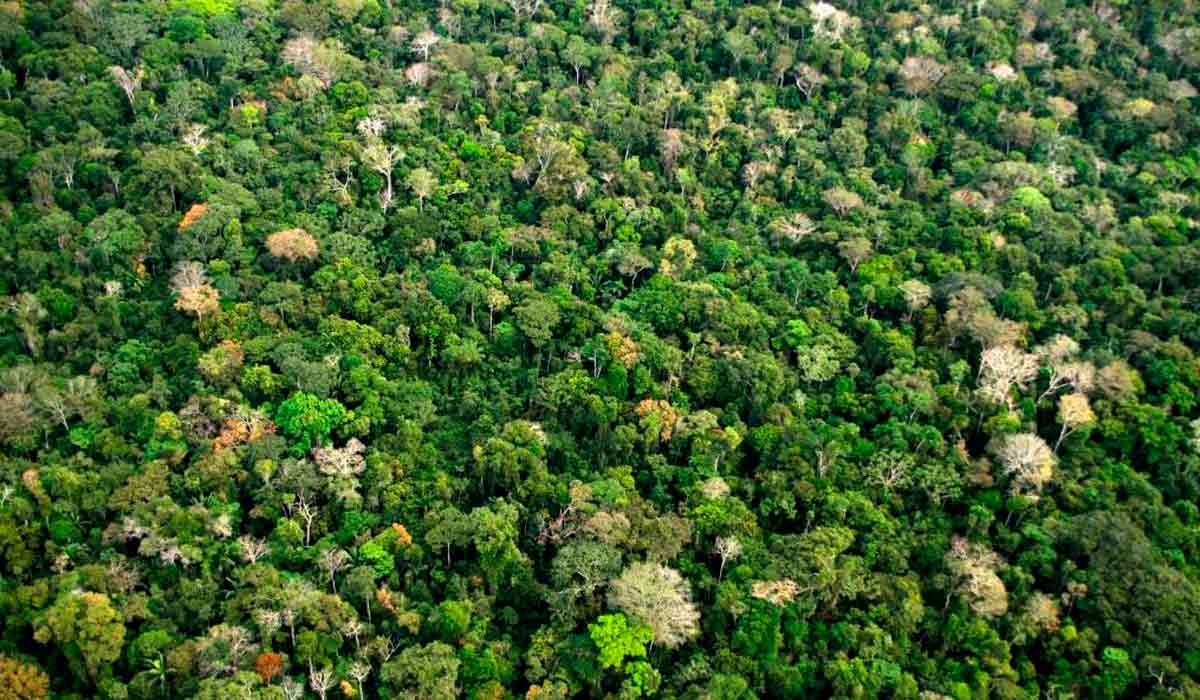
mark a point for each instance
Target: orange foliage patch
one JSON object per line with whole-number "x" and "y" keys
{"x": 192, "y": 215}
{"x": 268, "y": 665}
{"x": 402, "y": 535}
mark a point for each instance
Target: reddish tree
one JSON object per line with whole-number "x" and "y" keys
{"x": 268, "y": 665}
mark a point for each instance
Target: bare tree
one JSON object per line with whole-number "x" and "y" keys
{"x": 422, "y": 183}
{"x": 320, "y": 681}
{"x": 293, "y": 245}
{"x": 807, "y": 79}
{"x": 195, "y": 139}
{"x": 423, "y": 42}
{"x": 252, "y": 548}
{"x": 307, "y": 513}
{"x": 1027, "y": 460}
{"x": 920, "y": 74}
{"x": 855, "y": 251}
{"x": 292, "y": 689}
{"x": 974, "y": 569}
{"x": 916, "y": 295}
{"x": 658, "y": 597}
{"x": 793, "y": 228}
{"x": 1074, "y": 411}
{"x": 129, "y": 83}
{"x": 381, "y": 158}
{"x": 727, "y": 548}
{"x": 332, "y": 561}
{"x": 842, "y": 201}
{"x": 359, "y": 671}
{"x": 525, "y": 8}
{"x": 1002, "y": 368}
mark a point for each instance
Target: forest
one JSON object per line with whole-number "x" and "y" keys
{"x": 613, "y": 349}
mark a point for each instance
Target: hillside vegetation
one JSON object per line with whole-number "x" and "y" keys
{"x": 696, "y": 349}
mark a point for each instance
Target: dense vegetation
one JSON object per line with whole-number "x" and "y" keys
{"x": 531, "y": 349}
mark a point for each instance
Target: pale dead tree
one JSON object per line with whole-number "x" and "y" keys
{"x": 1074, "y": 411}
{"x": 1059, "y": 348}
{"x": 728, "y": 548}
{"x": 670, "y": 146}
{"x": 419, "y": 74}
{"x": 974, "y": 569}
{"x": 292, "y": 689}
{"x": 754, "y": 171}
{"x": 779, "y": 592}
{"x": 916, "y": 295}
{"x": 252, "y": 548}
{"x": 188, "y": 273}
{"x": 920, "y": 74}
{"x": 194, "y": 138}
{"x": 382, "y": 158}
{"x": 332, "y": 561}
{"x": 422, "y": 183}
{"x": 525, "y": 8}
{"x": 793, "y": 228}
{"x": 603, "y": 17}
{"x": 359, "y": 671}
{"x": 1065, "y": 372}
{"x": 829, "y": 22}
{"x": 353, "y": 628}
{"x": 807, "y": 79}
{"x": 1027, "y": 460}
{"x": 658, "y": 597}
{"x": 309, "y": 59}
{"x": 855, "y": 251}
{"x": 293, "y": 245}
{"x": 307, "y": 513}
{"x": 842, "y": 201}
{"x": 194, "y": 293}
{"x": 129, "y": 83}
{"x": 372, "y": 127}
{"x": 54, "y": 404}
{"x": 224, "y": 650}
{"x": 320, "y": 681}
{"x": 1003, "y": 368}
{"x": 424, "y": 42}
{"x": 341, "y": 463}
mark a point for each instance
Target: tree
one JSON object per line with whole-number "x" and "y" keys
{"x": 658, "y": 597}
{"x": 129, "y": 82}
{"x": 1074, "y": 411}
{"x": 87, "y": 622}
{"x": 1003, "y": 368}
{"x": 807, "y": 79}
{"x": 419, "y": 672}
{"x": 1027, "y": 460}
{"x": 916, "y": 295}
{"x": 578, "y": 573}
{"x": 382, "y": 158}
{"x": 920, "y": 74}
{"x": 308, "y": 420}
{"x": 617, "y": 639}
{"x": 323, "y": 62}
{"x": 727, "y": 548}
{"x": 855, "y": 251}
{"x": 422, "y": 183}
{"x": 22, "y": 681}
{"x": 423, "y": 42}
{"x": 293, "y": 245}
{"x": 194, "y": 293}
{"x": 842, "y": 201}
{"x": 974, "y": 570}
